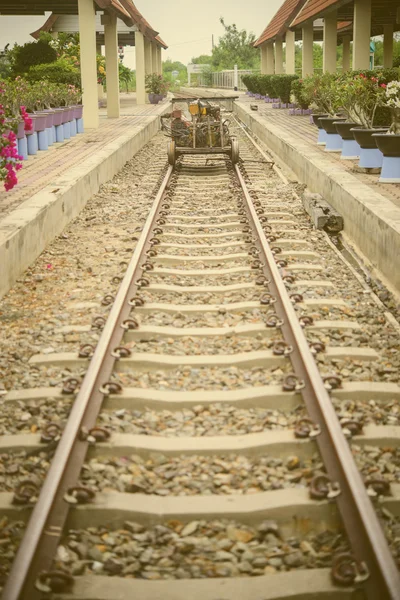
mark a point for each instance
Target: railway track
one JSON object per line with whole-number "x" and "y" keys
{"x": 231, "y": 434}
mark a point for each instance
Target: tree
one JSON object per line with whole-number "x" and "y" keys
{"x": 203, "y": 59}
{"x": 235, "y": 47}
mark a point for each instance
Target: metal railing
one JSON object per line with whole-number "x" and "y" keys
{"x": 224, "y": 79}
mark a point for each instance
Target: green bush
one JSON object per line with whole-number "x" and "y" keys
{"x": 33, "y": 53}
{"x": 282, "y": 85}
{"x": 297, "y": 89}
{"x": 60, "y": 71}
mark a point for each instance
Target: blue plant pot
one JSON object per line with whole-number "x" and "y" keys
{"x": 389, "y": 145}
{"x": 43, "y": 140}
{"x": 23, "y": 147}
{"x": 79, "y": 125}
{"x": 60, "y": 133}
{"x": 32, "y": 140}
{"x": 334, "y": 142}
{"x": 350, "y": 150}
{"x": 370, "y": 156}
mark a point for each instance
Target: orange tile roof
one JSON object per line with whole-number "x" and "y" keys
{"x": 313, "y": 9}
{"x": 280, "y": 22}
{"x": 143, "y": 25}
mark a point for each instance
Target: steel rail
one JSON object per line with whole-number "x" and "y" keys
{"x": 364, "y": 531}
{"x": 45, "y": 527}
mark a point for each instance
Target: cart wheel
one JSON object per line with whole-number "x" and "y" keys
{"x": 171, "y": 152}
{"x": 234, "y": 151}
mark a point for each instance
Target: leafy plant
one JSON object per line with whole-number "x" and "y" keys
{"x": 30, "y": 54}
{"x": 61, "y": 71}
{"x": 297, "y": 90}
{"x": 282, "y": 85}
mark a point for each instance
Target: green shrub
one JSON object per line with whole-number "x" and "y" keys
{"x": 60, "y": 71}
{"x": 297, "y": 89}
{"x": 33, "y": 53}
{"x": 282, "y": 86}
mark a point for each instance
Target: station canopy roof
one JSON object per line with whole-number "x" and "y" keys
{"x": 282, "y": 20}
{"x": 384, "y": 12}
{"x": 124, "y": 10}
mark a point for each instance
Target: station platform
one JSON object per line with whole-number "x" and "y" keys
{"x": 54, "y": 185}
{"x": 371, "y": 210}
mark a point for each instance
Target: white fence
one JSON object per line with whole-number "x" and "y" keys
{"x": 224, "y": 79}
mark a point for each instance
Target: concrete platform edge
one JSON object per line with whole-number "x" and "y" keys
{"x": 371, "y": 221}
{"x": 26, "y": 232}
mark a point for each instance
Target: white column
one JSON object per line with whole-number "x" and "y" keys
{"x": 159, "y": 60}
{"x": 388, "y": 45}
{"x": 140, "y": 68}
{"x": 270, "y": 58}
{"x": 290, "y": 52}
{"x": 362, "y": 34}
{"x": 147, "y": 56}
{"x": 263, "y": 53}
{"x": 330, "y": 43}
{"x": 87, "y": 33}
{"x": 308, "y": 46}
{"x": 346, "y": 53}
{"x": 112, "y": 64}
{"x": 279, "y": 55}
{"x": 154, "y": 58}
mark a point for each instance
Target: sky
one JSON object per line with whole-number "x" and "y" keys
{"x": 186, "y": 27}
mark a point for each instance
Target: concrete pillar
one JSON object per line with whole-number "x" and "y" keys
{"x": 87, "y": 33}
{"x": 290, "y": 52}
{"x": 308, "y": 46}
{"x": 279, "y": 55}
{"x": 159, "y": 60}
{"x": 362, "y": 34}
{"x": 346, "y": 53}
{"x": 154, "y": 58}
{"x": 263, "y": 52}
{"x": 330, "y": 43}
{"x": 147, "y": 57}
{"x": 112, "y": 64}
{"x": 140, "y": 68}
{"x": 388, "y": 45}
{"x": 270, "y": 58}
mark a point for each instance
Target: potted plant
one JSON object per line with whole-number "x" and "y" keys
{"x": 302, "y": 101}
{"x": 389, "y": 143}
{"x": 154, "y": 86}
{"x": 361, "y": 99}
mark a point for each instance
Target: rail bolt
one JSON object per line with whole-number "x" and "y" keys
{"x": 98, "y": 323}
{"x": 296, "y": 298}
{"x": 282, "y": 349}
{"x": 54, "y": 581}
{"x": 273, "y": 321}
{"x": 281, "y": 263}
{"x": 142, "y": 282}
{"x": 346, "y": 571}
{"x": 25, "y": 492}
{"x": 151, "y": 253}
{"x": 292, "y": 383}
{"x": 377, "y": 486}
{"x": 317, "y": 347}
{"x": 107, "y": 300}
{"x": 351, "y": 427}
{"x": 256, "y": 264}
{"x": 154, "y": 241}
{"x": 147, "y": 266}
{"x": 305, "y": 321}
{"x": 50, "y": 433}
{"x": 130, "y": 324}
{"x": 267, "y": 299}
{"x": 136, "y": 301}
{"x": 121, "y": 352}
{"x": 86, "y": 351}
{"x": 332, "y": 382}
{"x": 116, "y": 280}
{"x": 305, "y": 428}
{"x": 70, "y": 385}
{"x": 321, "y": 487}
{"x": 157, "y": 231}
{"x": 98, "y": 434}
{"x": 79, "y": 495}
{"x": 111, "y": 387}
